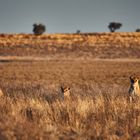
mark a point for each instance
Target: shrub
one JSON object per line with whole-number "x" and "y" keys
{"x": 39, "y": 29}
{"x": 78, "y": 32}
{"x": 138, "y": 30}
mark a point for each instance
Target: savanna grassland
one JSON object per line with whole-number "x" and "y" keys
{"x": 32, "y": 74}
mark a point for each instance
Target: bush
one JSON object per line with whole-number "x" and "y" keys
{"x": 138, "y": 30}
{"x": 78, "y": 32}
{"x": 39, "y": 29}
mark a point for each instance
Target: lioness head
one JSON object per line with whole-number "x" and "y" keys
{"x": 65, "y": 91}
{"x": 134, "y": 85}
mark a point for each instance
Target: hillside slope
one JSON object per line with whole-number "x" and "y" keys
{"x": 92, "y": 45}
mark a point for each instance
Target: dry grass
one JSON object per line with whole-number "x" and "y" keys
{"x": 98, "y": 107}
{"x": 93, "y": 45}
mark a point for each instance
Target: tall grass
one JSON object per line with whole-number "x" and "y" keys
{"x": 91, "y": 114}
{"x": 31, "y": 108}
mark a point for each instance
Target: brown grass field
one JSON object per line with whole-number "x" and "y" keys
{"x": 31, "y": 108}
{"x": 98, "y": 108}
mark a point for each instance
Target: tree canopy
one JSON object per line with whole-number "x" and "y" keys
{"x": 113, "y": 26}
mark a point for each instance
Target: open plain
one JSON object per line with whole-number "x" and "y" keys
{"x": 31, "y": 75}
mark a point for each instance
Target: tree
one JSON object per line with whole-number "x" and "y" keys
{"x": 138, "y": 30}
{"x": 39, "y": 29}
{"x": 78, "y": 32}
{"x": 114, "y": 26}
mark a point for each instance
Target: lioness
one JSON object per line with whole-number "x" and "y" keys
{"x": 134, "y": 90}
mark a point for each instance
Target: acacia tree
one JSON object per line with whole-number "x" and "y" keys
{"x": 38, "y": 29}
{"x": 113, "y": 26}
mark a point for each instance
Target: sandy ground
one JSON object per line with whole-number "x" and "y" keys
{"x": 32, "y": 58}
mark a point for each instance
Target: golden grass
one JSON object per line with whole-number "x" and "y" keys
{"x": 93, "y": 45}
{"x": 98, "y": 107}
{"x": 82, "y": 118}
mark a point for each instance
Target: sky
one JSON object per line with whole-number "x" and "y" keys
{"x": 68, "y": 16}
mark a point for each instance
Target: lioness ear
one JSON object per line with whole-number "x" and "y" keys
{"x": 131, "y": 77}
{"x": 62, "y": 89}
{"x": 138, "y": 77}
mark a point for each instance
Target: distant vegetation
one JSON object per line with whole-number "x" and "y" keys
{"x": 138, "y": 30}
{"x": 39, "y": 29}
{"x": 78, "y": 32}
{"x": 113, "y": 26}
